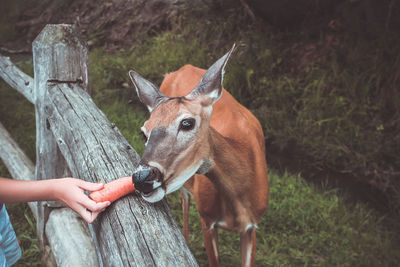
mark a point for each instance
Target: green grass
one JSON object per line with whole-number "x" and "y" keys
{"x": 129, "y": 119}
{"x": 303, "y": 225}
{"x": 18, "y": 116}
{"x": 319, "y": 228}
{"x": 306, "y": 105}
{"x": 338, "y": 114}
{"x": 25, "y": 226}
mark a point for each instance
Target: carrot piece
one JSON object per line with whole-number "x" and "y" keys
{"x": 114, "y": 190}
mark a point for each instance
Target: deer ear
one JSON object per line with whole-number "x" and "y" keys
{"x": 147, "y": 92}
{"x": 210, "y": 84}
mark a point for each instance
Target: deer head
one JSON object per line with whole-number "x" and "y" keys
{"x": 177, "y": 133}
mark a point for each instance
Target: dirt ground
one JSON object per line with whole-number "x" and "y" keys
{"x": 113, "y": 24}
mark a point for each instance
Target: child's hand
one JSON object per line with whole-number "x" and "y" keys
{"x": 71, "y": 192}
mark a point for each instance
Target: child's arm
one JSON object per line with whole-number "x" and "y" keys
{"x": 70, "y": 191}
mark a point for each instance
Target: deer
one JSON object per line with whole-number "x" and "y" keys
{"x": 201, "y": 140}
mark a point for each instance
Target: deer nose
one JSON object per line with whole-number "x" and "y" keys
{"x": 145, "y": 177}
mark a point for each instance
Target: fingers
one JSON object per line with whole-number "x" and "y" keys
{"x": 93, "y": 206}
{"x": 101, "y": 206}
{"x": 71, "y": 192}
{"x": 88, "y": 186}
{"x": 90, "y": 209}
{"x": 89, "y": 215}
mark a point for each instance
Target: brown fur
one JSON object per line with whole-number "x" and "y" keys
{"x": 235, "y": 190}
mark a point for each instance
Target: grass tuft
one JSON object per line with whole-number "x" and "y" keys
{"x": 304, "y": 226}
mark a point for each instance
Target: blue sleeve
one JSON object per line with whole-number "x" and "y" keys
{"x": 10, "y": 252}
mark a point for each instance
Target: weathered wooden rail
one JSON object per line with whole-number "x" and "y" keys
{"x": 75, "y": 138}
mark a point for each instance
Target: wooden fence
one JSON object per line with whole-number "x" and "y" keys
{"x": 74, "y": 138}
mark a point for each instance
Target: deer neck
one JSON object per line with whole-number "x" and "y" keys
{"x": 229, "y": 173}
{"x": 224, "y": 161}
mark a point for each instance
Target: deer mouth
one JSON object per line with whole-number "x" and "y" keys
{"x": 159, "y": 190}
{"x": 154, "y": 195}
{"x": 154, "y": 191}
{"x": 148, "y": 180}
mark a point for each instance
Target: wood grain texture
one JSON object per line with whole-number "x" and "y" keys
{"x": 67, "y": 234}
{"x": 59, "y": 55}
{"x": 17, "y": 163}
{"x": 69, "y": 239}
{"x": 131, "y": 232}
{"x": 17, "y": 79}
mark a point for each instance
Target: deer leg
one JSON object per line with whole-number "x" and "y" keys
{"x": 185, "y": 202}
{"x": 248, "y": 247}
{"x": 210, "y": 239}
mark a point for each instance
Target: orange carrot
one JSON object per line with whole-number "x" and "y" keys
{"x": 114, "y": 190}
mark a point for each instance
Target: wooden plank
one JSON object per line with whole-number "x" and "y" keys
{"x": 68, "y": 236}
{"x": 131, "y": 232}
{"x": 17, "y": 163}
{"x": 69, "y": 239}
{"x": 17, "y": 79}
{"x": 59, "y": 55}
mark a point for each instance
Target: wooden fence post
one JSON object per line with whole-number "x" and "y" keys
{"x": 68, "y": 237}
{"x": 59, "y": 56}
{"x": 130, "y": 232}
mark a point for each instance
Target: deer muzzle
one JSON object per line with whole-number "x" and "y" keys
{"x": 147, "y": 179}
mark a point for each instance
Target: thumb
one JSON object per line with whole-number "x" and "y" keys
{"x": 88, "y": 186}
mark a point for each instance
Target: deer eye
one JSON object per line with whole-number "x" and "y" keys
{"x": 187, "y": 124}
